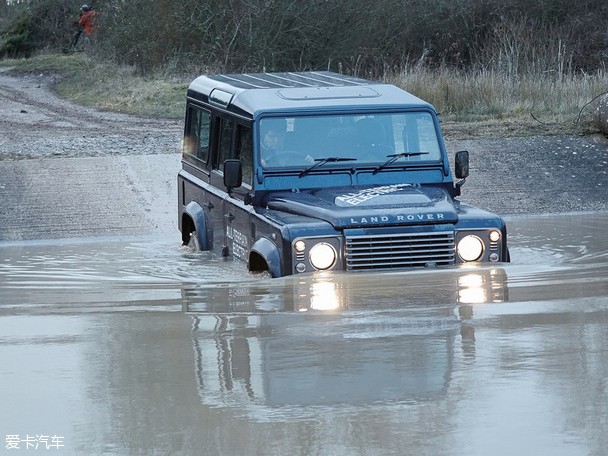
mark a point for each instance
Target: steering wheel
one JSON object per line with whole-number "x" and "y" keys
{"x": 285, "y": 158}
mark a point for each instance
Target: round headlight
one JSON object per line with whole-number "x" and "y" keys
{"x": 322, "y": 256}
{"x": 470, "y": 248}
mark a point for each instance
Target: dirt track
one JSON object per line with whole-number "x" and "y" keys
{"x": 91, "y": 173}
{"x": 70, "y": 171}
{"x": 36, "y": 123}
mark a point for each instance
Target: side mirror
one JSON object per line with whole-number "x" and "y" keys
{"x": 461, "y": 164}
{"x": 233, "y": 174}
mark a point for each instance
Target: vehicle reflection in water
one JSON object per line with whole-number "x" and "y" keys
{"x": 340, "y": 291}
{"x": 141, "y": 347}
{"x": 274, "y": 353}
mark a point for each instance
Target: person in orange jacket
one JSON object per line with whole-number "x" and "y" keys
{"x": 87, "y": 22}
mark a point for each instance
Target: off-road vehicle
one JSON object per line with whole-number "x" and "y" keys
{"x": 293, "y": 173}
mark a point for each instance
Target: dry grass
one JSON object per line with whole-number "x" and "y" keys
{"x": 474, "y": 103}
{"x": 123, "y": 92}
{"x": 121, "y": 89}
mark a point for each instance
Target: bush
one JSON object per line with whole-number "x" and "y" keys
{"x": 34, "y": 26}
{"x": 356, "y": 37}
{"x": 17, "y": 39}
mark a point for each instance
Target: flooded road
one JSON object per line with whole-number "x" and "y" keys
{"x": 135, "y": 345}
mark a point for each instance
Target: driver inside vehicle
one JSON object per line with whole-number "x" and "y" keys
{"x": 272, "y": 138}
{"x": 273, "y": 149}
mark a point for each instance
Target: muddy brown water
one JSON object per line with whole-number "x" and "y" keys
{"x": 136, "y": 345}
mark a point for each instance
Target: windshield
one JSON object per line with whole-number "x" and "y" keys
{"x": 362, "y": 139}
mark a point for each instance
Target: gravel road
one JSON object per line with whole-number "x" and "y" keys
{"x": 71, "y": 171}
{"x": 37, "y": 123}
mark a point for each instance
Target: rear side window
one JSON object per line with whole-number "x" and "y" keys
{"x": 196, "y": 141}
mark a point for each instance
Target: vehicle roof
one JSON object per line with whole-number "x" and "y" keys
{"x": 252, "y": 94}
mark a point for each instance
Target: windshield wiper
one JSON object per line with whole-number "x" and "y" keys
{"x": 322, "y": 161}
{"x": 394, "y": 157}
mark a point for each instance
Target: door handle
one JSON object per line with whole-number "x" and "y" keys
{"x": 209, "y": 205}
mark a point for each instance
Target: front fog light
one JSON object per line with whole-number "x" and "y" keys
{"x": 470, "y": 248}
{"x": 300, "y": 246}
{"x": 322, "y": 256}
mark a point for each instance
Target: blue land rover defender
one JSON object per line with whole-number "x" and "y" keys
{"x": 293, "y": 173}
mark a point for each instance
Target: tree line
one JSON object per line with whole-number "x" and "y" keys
{"x": 516, "y": 37}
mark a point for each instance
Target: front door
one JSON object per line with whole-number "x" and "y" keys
{"x": 239, "y": 217}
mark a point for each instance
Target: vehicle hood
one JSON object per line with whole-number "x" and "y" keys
{"x": 354, "y": 207}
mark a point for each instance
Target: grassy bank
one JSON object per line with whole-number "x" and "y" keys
{"x": 109, "y": 87}
{"x": 471, "y": 104}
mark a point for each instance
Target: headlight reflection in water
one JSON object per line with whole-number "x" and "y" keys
{"x": 482, "y": 287}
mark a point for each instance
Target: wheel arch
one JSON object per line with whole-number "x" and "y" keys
{"x": 195, "y": 219}
{"x": 264, "y": 256}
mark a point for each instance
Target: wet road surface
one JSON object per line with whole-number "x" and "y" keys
{"x": 135, "y": 345}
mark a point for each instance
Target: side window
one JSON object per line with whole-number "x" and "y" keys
{"x": 196, "y": 142}
{"x": 225, "y": 143}
{"x": 245, "y": 152}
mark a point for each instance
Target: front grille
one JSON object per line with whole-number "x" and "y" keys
{"x": 392, "y": 251}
